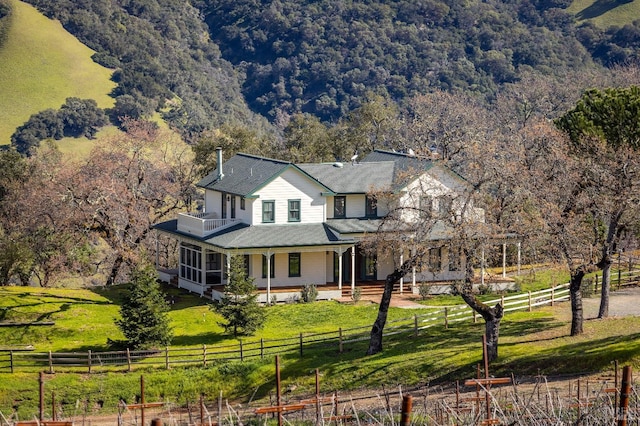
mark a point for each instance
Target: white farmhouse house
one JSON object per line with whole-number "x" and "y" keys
{"x": 298, "y": 224}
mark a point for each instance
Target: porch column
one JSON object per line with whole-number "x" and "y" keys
{"x": 353, "y": 269}
{"x": 203, "y": 270}
{"x": 482, "y": 267}
{"x": 504, "y": 260}
{"x": 227, "y": 268}
{"x": 413, "y": 271}
{"x": 401, "y": 278}
{"x": 340, "y": 269}
{"x": 519, "y": 248}
{"x": 268, "y": 256}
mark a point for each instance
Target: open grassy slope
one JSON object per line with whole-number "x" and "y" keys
{"x": 41, "y": 65}
{"x": 606, "y": 13}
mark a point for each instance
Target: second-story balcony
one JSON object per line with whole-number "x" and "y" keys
{"x": 203, "y": 224}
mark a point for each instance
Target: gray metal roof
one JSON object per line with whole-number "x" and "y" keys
{"x": 243, "y": 236}
{"x": 352, "y": 178}
{"x": 354, "y": 226}
{"x": 244, "y": 174}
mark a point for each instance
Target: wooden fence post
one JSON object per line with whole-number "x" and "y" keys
{"x": 50, "y": 363}
{"x": 261, "y": 348}
{"x": 625, "y": 393}
{"x": 89, "y": 360}
{"x": 128, "y": 360}
{"x": 415, "y": 325}
{"x": 300, "y": 345}
{"x": 407, "y": 404}
{"x": 11, "y": 360}
{"x": 446, "y": 317}
{"x": 530, "y": 307}
{"x": 241, "y": 351}
{"x": 166, "y": 357}
{"x": 204, "y": 355}
{"x": 553, "y": 296}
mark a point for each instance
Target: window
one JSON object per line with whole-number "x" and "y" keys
{"x": 272, "y": 261}
{"x": 242, "y": 203}
{"x": 294, "y": 264}
{"x": 455, "y": 258}
{"x": 340, "y": 206}
{"x": 191, "y": 263}
{"x": 294, "y": 210}
{"x": 435, "y": 259}
{"x": 445, "y": 203}
{"x": 268, "y": 211}
{"x": 371, "y": 206}
{"x": 426, "y": 207}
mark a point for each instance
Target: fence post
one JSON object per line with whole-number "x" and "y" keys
{"x": 261, "y": 348}
{"x": 241, "y": 351}
{"x": 89, "y": 360}
{"x": 415, "y": 325}
{"x": 446, "y": 317}
{"x": 530, "y": 307}
{"x": 128, "y": 360}
{"x": 166, "y": 357}
{"x": 50, "y": 363}
{"x": 11, "y": 360}
{"x": 204, "y": 355}
{"x": 340, "y": 339}
{"x": 553, "y": 296}
{"x": 300, "y": 345}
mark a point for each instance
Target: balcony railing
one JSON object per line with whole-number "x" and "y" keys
{"x": 202, "y": 224}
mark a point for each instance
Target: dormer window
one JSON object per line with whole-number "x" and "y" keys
{"x": 371, "y": 206}
{"x": 340, "y": 206}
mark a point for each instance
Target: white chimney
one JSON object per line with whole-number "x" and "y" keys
{"x": 219, "y": 158}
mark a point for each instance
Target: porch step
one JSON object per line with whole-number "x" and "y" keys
{"x": 373, "y": 289}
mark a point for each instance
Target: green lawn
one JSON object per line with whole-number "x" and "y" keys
{"x": 41, "y": 65}
{"x": 529, "y": 343}
{"x": 605, "y": 13}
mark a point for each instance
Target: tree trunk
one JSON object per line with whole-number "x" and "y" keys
{"x": 606, "y": 289}
{"x": 575, "y": 291}
{"x": 375, "y": 341}
{"x": 492, "y": 318}
{"x": 115, "y": 268}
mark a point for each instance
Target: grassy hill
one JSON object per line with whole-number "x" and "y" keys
{"x": 606, "y": 13}
{"x": 41, "y": 65}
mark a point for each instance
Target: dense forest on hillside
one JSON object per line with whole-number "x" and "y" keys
{"x": 206, "y": 63}
{"x": 163, "y": 58}
{"x": 321, "y": 57}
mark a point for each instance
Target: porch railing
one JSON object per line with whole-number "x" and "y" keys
{"x": 201, "y": 224}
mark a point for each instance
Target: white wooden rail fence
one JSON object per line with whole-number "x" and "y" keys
{"x": 91, "y": 361}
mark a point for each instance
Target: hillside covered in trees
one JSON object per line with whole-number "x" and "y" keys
{"x": 282, "y": 57}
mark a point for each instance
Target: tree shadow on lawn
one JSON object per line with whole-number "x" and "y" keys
{"x": 177, "y": 298}
{"x": 577, "y": 358}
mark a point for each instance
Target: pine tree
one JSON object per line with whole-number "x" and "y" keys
{"x": 145, "y": 322}
{"x": 239, "y": 305}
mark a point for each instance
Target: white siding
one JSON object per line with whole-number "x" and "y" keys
{"x": 292, "y": 185}
{"x": 312, "y": 269}
{"x": 212, "y": 202}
